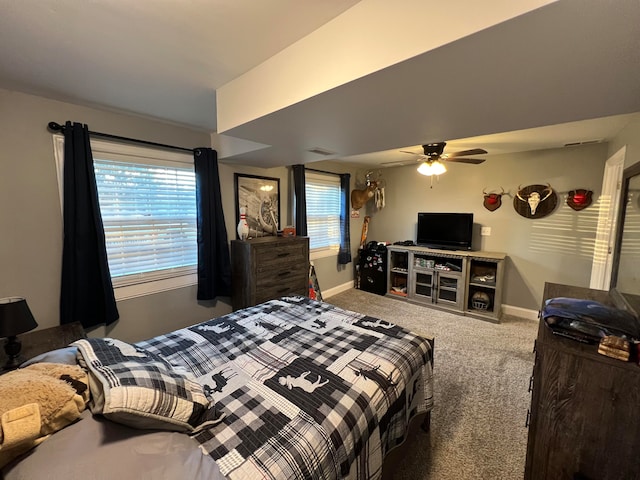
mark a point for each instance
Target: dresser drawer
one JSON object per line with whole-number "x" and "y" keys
{"x": 281, "y": 274}
{"x": 267, "y": 268}
{"x": 292, "y": 286}
{"x": 269, "y": 256}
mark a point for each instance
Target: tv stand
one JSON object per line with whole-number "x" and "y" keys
{"x": 466, "y": 282}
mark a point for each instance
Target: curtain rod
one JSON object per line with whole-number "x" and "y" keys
{"x": 56, "y": 127}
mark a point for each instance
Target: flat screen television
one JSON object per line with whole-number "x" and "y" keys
{"x": 449, "y": 231}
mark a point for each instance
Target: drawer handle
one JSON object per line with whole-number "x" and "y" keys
{"x": 282, "y": 274}
{"x": 284, "y": 254}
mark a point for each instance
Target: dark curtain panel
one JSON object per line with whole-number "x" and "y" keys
{"x": 344, "y": 254}
{"x": 301, "y": 200}
{"x": 214, "y": 264}
{"x": 87, "y": 292}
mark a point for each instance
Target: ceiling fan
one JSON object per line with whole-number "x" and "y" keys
{"x": 434, "y": 155}
{"x": 434, "y": 151}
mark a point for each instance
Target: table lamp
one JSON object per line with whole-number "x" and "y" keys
{"x": 15, "y": 318}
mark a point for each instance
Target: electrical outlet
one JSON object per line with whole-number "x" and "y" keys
{"x": 485, "y": 231}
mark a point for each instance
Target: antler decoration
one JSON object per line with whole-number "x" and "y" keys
{"x": 492, "y": 201}
{"x": 549, "y": 190}
{"x": 541, "y": 200}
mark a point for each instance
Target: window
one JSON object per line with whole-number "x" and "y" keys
{"x": 148, "y": 206}
{"x": 323, "y": 213}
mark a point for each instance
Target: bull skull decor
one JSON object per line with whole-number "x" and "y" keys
{"x": 579, "y": 199}
{"x": 492, "y": 201}
{"x": 535, "y": 201}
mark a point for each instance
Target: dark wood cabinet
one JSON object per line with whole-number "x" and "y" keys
{"x": 268, "y": 267}
{"x": 584, "y": 421}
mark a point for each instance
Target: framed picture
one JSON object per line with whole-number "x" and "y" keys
{"x": 261, "y": 198}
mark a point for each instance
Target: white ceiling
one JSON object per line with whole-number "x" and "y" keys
{"x": 569, "y": 64}
{"x": 162, "y": 58}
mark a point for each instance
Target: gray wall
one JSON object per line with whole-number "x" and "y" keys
{"x": 329, "y": 273}
{"x": 30, "y": 215}
{"x": 557, "y": 248}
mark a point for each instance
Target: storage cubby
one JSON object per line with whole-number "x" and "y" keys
{"x": 465, "y": 282}
{"x": 482, "y": 273}
{"x": 481, "y": 300}
{"x": 485, "y": 287}
{"x": 398, "y": 269}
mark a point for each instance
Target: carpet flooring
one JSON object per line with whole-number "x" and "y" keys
{"x": 481, "y": 375}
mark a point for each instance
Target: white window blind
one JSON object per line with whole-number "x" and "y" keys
{"x": 323, "y": 210}
{"x": 148, "y": 207}
{"x": 149, "y": 217}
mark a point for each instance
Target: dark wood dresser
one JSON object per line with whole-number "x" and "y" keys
{"x": 268, "y": 267}
{"x": 585, "y": 408}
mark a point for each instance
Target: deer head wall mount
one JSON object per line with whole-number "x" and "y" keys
{"x": 360, "y": 197}
{"x": 493, "y": 200}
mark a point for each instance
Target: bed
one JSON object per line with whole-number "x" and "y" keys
{"x": 292, "y": 388}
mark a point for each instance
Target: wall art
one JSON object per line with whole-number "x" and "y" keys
{"x": 260, "y": 196}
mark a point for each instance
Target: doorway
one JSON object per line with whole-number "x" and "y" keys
{"x": 607, "y": 219}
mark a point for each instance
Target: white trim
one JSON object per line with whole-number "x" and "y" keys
{"x": 155, "y": 286}
{"x": 336, "y": 290}
{"x": 602, "y": 262}
{"x": 140, "y": 153}
{"x": 323, "y": 252}
{"x": 58, "y": 153}
{"x": 520, "y": 312}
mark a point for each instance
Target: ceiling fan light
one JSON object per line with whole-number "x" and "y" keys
{"x": 425, "y": 169}
{"x": 431, "y": 168}
{"x": 438, "y": 168}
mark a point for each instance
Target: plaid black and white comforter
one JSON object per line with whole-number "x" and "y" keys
{"x": 308, "y": 390}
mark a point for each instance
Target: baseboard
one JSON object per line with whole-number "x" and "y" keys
{"x": 335, "y": 290}
{"x": 520, "y": 312}
{"x": 506, "y": 309}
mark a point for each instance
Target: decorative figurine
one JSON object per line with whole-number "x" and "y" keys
{"x": 243, "y": 226}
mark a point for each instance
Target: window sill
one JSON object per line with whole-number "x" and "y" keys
{"x": 318, "y": 253}
{"x": 156, "y": 286}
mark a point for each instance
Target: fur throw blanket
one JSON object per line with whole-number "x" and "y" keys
{"x": 37, "y": 401}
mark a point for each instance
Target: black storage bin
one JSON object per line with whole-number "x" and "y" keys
{"x": 373, "y": 268}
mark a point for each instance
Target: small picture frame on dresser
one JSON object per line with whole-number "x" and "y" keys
{"x": 260, "y": 198}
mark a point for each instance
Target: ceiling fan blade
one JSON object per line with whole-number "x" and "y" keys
{"x": 473, "y": 151}
{"x": 410, "y": 153}
{"x": 475, "y": 161}
{"x": 397, "y": 163}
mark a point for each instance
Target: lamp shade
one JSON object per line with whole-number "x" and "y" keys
{"x": 429, "y": 168}
{"x": 15, "y": 317}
